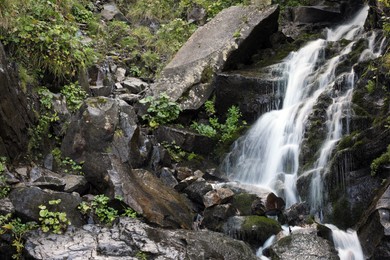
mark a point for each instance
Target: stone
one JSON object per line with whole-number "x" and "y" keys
{"x": 274, "y": 205}
{"x": 186, "y": 140}
{"x": 26, "y": 201}
{"x": 298, "y": 214}
{"x": 129, "y": 98}
{"x": 258, "y": 208}
{"x": 98, "y": 91}
{"x": 185, "y": 183}
{"x": 183, "y": 173}
{"x": 187, "y": 78}
{"x": 131, "y": 236}
{"x": 134, "y": 85}
{"x": 49, "y": 182}
{"x": 215, "y": 217}
{"x": 217, "y": 196}
{"x": 197, "y": 190}
{"x": 110, "y": 11}
{"x": 254, "y": 230}
{"x": 324, "y": 15}
{"x": 166, "y": 176}
{"x": 6, "y": 207}
{"x": 303, "y": 245}
{"x": 75, "y": 183}
{"x": 243, "y": 203}
{"x": 120, "y": 74}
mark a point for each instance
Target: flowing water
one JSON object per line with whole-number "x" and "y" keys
{"x": 268, "y": 155}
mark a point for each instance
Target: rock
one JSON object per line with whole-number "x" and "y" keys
{"x": 254, "y": 230}
{"x": 120, "y": 74}
{"x": 187, "y": 140}
{"x": 274, "y": 205}
{"x": 217, "y": 196}
{"x": 216, "y": 216}
{"x": 49, "y": 182}
{"x": 258, "y": 208}
{"x": 183, "y": 173}
{"x": 27, "y": 200}
{"x": 324, "y": 15}
{"x": 75, "y": 183}
{"x": 303, "y": 245}
{"x": 298, "y": 214}
{"x": 98, "y": 91}
{"x": 243, "y": 203}
{"x": 166, "y": 176}
{"x": 111, "y": 11}
{"x": 197, "y": 190}
{"x": 222, "y": 43}
{"x": 185, "y": 183}
{"x": 374, "y": 226}
{"x": 130, "y": 237}
{"x": 135, "y": 85}
{"x": 6, "y": 207}
{"x": 15, "y": 114}
{"x": 129, "y": 98}
{"x": 197, "y": 14}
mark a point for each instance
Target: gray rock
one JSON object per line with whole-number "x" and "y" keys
{"x": 216, "y": 216}
{"x": 27, "y": 200}
{"x": 197, "y": 190}
{"x": 316, "y": 14}
{"x": 217, "y": 196}
{"x": 166, "y": 176}
{"x": 130, "y": 236}
{"x": 49, "y": 182}
{"x": 100, "y": 90}
{"x": 303, "y": 245}
{"x": 6, "y": 206}
{"x": 134, "y": 85}
{"x": 110, "y": 10}
{"x": 120, "y": 74}
{"x": 228, "y": 39}
{"x": 75, "y": 183}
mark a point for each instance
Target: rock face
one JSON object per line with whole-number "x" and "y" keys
{"x": 131, "y": 238}
{"x": 230, "y": 38}
{"x": 15, "y": 115}
{"x": 374, "y": 229}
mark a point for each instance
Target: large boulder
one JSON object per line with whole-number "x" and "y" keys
{"x": 374, "y": 227}
{"x": 230, "y": 38}
{"x": 303, "y": 244}
{"x": 16, "y": 115}
{"x": 132, "y": 239}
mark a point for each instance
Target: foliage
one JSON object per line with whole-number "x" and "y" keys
{"x": 74, "y": 95}
{"x": 224, "y": 132}
{"x": 141, "y": 255}
{"x": 380, "y": 161}
{"x": 53, "y": 221}
{"x": 106, "y": 214}
{"x": 16, "y": 228}
{"x": 161, "y": 110}
{"x": 70, "y": 165}
{"x": 46, "y": 118}
{"x": 44, "y": 34}
{"x": 370, "y": 86}
{"x": 4, "y": 187}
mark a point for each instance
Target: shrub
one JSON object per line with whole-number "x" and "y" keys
{"x": 74, "y": 95}
{"x": 161, "y": 110}
{"x": 380, "y": 161}
{"x": 53, "y": 221}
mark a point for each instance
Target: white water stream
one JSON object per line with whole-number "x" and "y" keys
{"x": 268, "y": 155}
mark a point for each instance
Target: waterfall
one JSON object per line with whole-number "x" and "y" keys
{"x": 267, "y": 156}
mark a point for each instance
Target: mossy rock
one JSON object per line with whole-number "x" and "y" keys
{"x": 243, "y": 202}
{"x": 254, "y": 230}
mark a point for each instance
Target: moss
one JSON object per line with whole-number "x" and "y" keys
{"x": 261, "y": 223}
{"x": 207, "y": 74}
{"x": 285, "y": 241}
{"x": 243, "y": 202}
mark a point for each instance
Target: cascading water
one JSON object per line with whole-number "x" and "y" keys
{"x": 268, "y": 155}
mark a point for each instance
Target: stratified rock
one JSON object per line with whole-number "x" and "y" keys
{"x": 254, "y": 230}
{"x": 129, "y": 237}
{"x": 15, "y": 114}
{"x": 374, "y": 227}
{"x": 303, "y": 245}
{"x": 217, "y": 196}
{"x": 228, "y": 39}
{"x": 27, "y": 200}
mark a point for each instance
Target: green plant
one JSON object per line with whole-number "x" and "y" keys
{"x": 380, "y": 161}
{"x": 141, "y": 255}
{"x": 99, "y": 207}
{"x": 16, "y": 228}
{"x": 370, "y": 86}
{"x": 203, "y": 129}
{"x": 4, "y": 186}
{"x": 69, "y": 165}
{"x": 53, "y": 221}
{"x": 175, "y": 151}
{"x": 74, "y": 95}
{"x": 161, "y": 110}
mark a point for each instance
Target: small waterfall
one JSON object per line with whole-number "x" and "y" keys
{"x": 346, "y": 243}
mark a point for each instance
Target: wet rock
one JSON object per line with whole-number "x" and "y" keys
{"x": 298, "y": 214}
{"x": 217, "y": 196}
{"x": 274, "y": 205}
{"x": 243, "y": 203}
{"x": 129, "y": 237}
{"x": 187, "y": 78}
{"x": 215, "y": 217}
{"x": 374, "y": 227}
{"x": 258, "y": 208}
{"x": 187, "y": 140}
{"x": 254, "y": 230}
{"x": 197, "y": 190}
{"x": 27, "y": 200}
{"x": 303, "y": 245}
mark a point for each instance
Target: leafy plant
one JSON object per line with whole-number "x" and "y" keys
{"x": 4, "y": 187}
{"x": 16, "y": 228}
{"x": 380, "y": 161}
{"x": 70, "y": 165}
{"x": 74, "y": 95}
{"x": 161, "y": 110}
{"x": 53, "y": 221}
